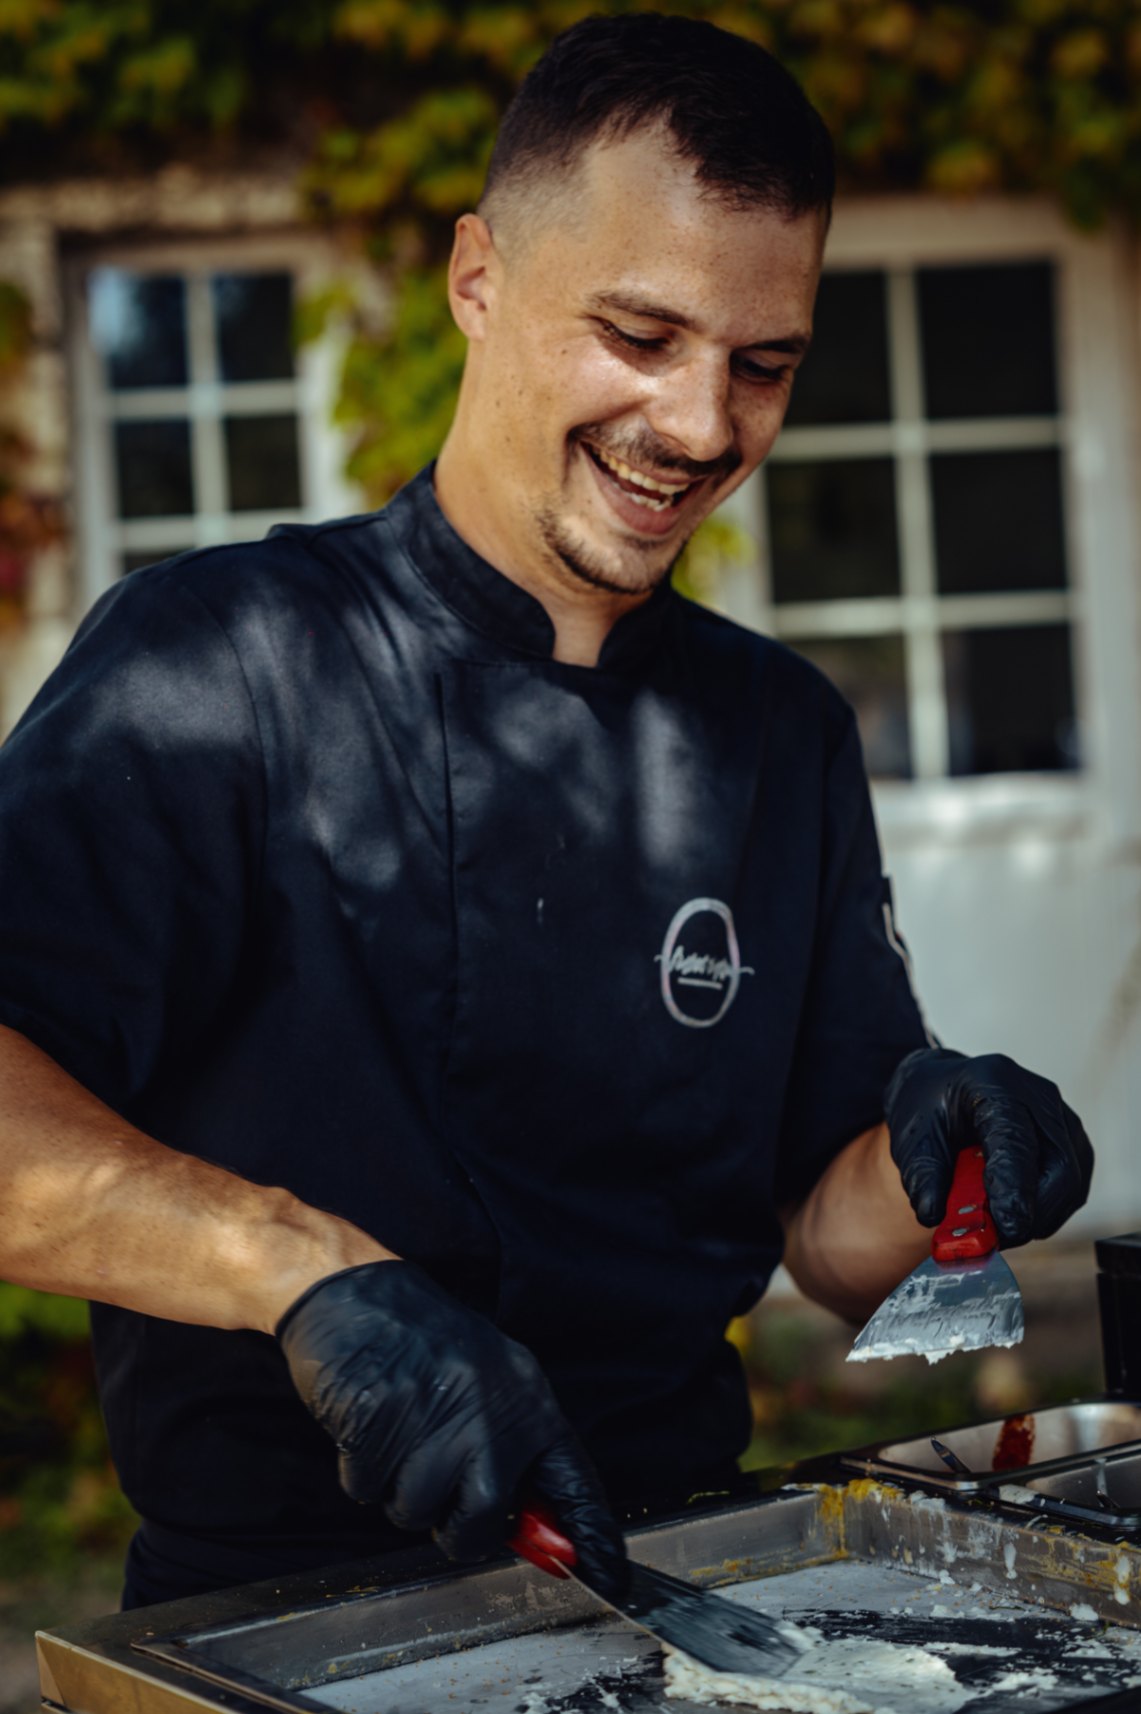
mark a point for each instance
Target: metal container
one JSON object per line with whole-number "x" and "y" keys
{"x": 1007, "y": 1449}
{"x": 1104, "y": 1491}
{"x": 943, "y": 1589}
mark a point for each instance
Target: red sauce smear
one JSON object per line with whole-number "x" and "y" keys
{"x": 1015, "y": 1444}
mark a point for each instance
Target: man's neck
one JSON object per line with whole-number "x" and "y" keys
{"x": 582, "y": 616}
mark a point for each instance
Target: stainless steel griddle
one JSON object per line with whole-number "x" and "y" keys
{"x": 1005, "y": 1591}
{"x": 1010, "y": 1616}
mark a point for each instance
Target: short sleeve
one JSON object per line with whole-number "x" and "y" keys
{"x": 861, "y": 1015}
{"x": 131, "y": 814}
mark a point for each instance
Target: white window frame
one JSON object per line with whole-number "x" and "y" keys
{"x": 205, "y": 400}
{"x": 1096, "y": 429}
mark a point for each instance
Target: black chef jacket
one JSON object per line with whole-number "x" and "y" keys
{"x": 556, "y": 980}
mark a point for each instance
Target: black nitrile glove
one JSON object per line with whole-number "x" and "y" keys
{"x": 1038, "y": 1160}
{"x": 439, "y": 1416}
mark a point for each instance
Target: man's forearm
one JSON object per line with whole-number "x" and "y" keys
{"x": 854, "y": 1237}
{"x": 94, "y": 1208}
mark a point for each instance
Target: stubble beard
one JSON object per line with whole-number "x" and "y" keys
{"x": 595, "y": 570}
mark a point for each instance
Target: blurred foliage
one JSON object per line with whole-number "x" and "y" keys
{"x": 37, "y": 1312}
{"x": 389, "y": 109}
{"x": 29, "y": 520}
{"x": 60, "y": 1504}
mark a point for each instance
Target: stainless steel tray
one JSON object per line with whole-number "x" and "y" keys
{"x": 1012, "y": 1616}
{"x": 1105, "y": 1490}
{"x": 1007, "y": 1449}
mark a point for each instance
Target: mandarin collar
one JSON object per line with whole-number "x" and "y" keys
{"x": 490, "y": 603}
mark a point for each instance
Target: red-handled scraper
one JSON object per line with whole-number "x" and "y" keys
{"x": 723, "y": 1635}
{"x": 963, "y": 1298}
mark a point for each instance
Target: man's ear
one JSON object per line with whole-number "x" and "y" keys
{"x": 473, "y": 275}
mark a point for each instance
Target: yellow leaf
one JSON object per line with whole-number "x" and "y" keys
{"x": 21, "y": 18}
{"x": 1080, "y": 55}
{"x": 889, "y": 29}
{"x": 964, "y": 167}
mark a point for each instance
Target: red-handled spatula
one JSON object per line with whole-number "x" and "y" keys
{"x": 963, "y": 1298}
{"x": 721, "y": 1634}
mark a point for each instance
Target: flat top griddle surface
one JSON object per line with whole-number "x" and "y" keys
{"x": 891, "y": 1639}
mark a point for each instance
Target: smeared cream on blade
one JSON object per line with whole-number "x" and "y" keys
{"x": 943, "y": 1308}
{"x": 963, "y": 1297}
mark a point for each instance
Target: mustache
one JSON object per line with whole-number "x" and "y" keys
{"x": 645, "y": 452}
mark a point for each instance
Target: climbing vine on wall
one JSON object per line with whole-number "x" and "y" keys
{"x": 29, "y": 520}
{"x": 389, "y": 109}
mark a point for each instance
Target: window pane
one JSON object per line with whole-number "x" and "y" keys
{"x": 870, "y": 672}
{"x": 135, "y": 561}
{"x": 152, "y": 460}
{"x": 254, "y": 315}
{"x": 844, "y": 378}
{"x": 998, "y": 521}
{"x": 1010, "y": 700}
{"x": 262, "y": 463}
{"x": 138, "y": 324}
{"x": 988, "y": 340}
{"x": 832, "y": 529}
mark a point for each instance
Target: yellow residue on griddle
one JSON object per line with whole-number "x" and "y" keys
{"x": 867, "y": 1488}
{"x": 862, "y": 1489}
{"x": 1114, "y": 1573}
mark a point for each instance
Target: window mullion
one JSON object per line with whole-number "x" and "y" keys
{"x": 923, "y": 656}
{"x": 97, "y": 475}
{"x": 207, "y": 447}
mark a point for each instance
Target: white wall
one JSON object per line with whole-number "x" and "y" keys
{"x": 1030, "y": 944}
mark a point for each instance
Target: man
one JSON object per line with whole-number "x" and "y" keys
{"x": 430, "y": 941}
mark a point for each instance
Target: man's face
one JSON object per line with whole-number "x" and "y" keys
{"x": 632, "y": 366}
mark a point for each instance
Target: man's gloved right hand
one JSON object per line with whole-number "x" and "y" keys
{"x": 439, "y": 1416}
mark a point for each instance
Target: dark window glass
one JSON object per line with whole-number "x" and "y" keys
{"x": 832, "y": 529}
{"x": 1010, "y": 700}
{"x": 870, "y": 672}
{"x": 988, "y": 340}
{"x": 152, "y": 460}
{"x": 998, "y": 521}
{"x": 254, "y": 316}
{"x": 138, "y": 324}
{"x": 262, "y": 463}
{"x": 844, "y": 378}
{"x": 148, "y": 556}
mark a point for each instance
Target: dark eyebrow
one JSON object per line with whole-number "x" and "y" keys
{"x": 794, "y": 344}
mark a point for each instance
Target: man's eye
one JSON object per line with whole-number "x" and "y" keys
{"x": 631, "y": 339}
{"x": 761, "y": 371}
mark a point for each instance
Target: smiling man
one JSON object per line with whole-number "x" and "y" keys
{"x": 441, "y": 970}
{"x": 633, "y": 337}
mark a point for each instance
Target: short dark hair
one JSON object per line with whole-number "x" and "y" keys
{"x": 733, "y": 110}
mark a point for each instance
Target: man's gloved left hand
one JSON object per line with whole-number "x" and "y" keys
{"x": 1038, "y": 1160}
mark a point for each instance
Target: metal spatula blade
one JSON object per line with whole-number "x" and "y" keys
{"x": 963, "y": 1298}
{"x": 720, "y": 1634}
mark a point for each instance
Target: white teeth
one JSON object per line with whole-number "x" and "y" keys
{"x": 669, "y": 489}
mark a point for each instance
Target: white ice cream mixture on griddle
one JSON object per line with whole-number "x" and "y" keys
{"x": 930, "y": 1665}
{"x": 811, "y": 1684}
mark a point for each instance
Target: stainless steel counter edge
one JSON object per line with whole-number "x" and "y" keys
{"x": 181, "y": 1656}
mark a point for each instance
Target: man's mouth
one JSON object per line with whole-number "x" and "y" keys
{"x": 653, "y": 493}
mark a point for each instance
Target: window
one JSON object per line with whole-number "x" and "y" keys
{"x": 915, "y": 516}
{"x": 198, "y": 422}
{"x": 949, "y": 523}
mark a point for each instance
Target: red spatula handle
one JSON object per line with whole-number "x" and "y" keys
{"x": 538, "y": 1538}
{"x": 966, "y": 1230}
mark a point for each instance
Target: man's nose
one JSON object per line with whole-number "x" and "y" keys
{"x": 691, "y": 409}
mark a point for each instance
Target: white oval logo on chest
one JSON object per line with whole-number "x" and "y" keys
{"x": 700, "y": 970}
